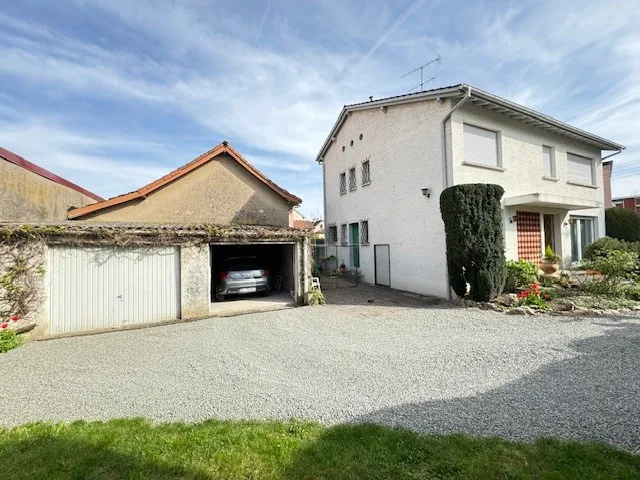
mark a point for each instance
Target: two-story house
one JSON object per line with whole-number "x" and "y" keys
{"x": 385, "y": 163}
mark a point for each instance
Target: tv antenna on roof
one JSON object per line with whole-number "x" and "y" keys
{"x": 435, "y": 62}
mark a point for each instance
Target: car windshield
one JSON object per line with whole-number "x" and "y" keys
{"x": 243, "y": 263}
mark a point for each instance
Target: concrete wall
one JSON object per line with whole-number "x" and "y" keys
{"x": 221, "y": 191}
{"x": 404, "y": 147}
{"x": 28, "y": 197}
{"x": 195, "y": 281}
{"x": 37, "y": 261}
{"x": 521, "y": 152}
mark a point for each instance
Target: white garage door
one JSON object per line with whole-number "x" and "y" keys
{"x": 100, "y": 287}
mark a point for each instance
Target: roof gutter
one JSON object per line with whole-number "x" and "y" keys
{"x": 613, "y": 154}
{"x": 445, "y": 169}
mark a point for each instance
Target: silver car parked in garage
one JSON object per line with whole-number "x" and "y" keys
{"x": 242, "y": 276}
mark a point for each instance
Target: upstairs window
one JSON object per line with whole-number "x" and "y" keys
{"x": 352, "y": 178}
{"x": 480, "y": 146}
{"x": 343, "y": 183}
{"x": 366, "y": 173}
{"x": 581, "y": 170}
{"x": 343, "y": 234}
{"x": 548, "y": 162}
{"x": 364, "y": 232}
{"x": 333, "y": 235}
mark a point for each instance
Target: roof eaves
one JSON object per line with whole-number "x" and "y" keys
{"x": 605, "y": 144}
{"x": 142, "y": 192}
{"x": 452, "y": 90}
{"x": 38, "y": 170}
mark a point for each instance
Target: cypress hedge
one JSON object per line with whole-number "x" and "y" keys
{"x": 622, "y": 223}
{"x": 475, "y": 240}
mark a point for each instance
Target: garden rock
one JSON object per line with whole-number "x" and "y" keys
{"x": 521, "y": 311}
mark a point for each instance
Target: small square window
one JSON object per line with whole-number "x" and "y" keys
{"x": 333, "y": 235}
{"x": 343, "y": 183}
{"x": 352, "y": 178}
{"x": 343, "y": 234}
{"x": 366, "y": 173}
{"x": 364, "y": 232}
{"x": 480, "y": 146}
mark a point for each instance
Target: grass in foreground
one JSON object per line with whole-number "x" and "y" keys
{"x": 135, "y": 449}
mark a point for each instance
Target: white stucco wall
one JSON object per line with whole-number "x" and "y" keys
{"x": 404, "y": 147}
{"x": 521, "y": 153}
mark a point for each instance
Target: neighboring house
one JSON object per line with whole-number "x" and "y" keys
{"x": 318, "y": 229}
{"x": 632, "y": 203}
{"x": 386, "y": 162}
{"x": 218, "y": 187}
{"x": 29, "y": 193}
{"x": 298, "y": 220}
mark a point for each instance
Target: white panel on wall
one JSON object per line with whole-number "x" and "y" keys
{"x": 580, "y": 169}
{"x": 480, "y": 145}
{"x": 101, "y": 287}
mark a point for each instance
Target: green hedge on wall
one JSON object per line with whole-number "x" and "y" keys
{"x": 475, "y": 240}
{"x": 623, "y": 224}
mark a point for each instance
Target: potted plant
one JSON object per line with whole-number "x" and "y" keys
{"x": 551, "y": 262}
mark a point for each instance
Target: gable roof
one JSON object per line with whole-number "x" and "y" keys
{"x": 206, "y": 157}
{"x": 480, "y": 98}
{"x": 32, "y": 167}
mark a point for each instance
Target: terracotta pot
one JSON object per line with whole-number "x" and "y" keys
{"x": 549, "y": 267}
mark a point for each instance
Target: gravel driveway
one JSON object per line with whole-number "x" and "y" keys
{"x": 434, "y": 369}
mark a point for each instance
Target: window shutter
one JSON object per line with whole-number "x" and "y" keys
{"x": 480, "y": 145}
{"x": 547, "y": 162}
{"x": 580, "y": 169}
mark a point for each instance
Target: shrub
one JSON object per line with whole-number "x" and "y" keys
{"x": 632, "y": 292}
{"x": 613, "y": 267}
{"x": 550, "y": 255}
{"x": 520, "y": 273}
{"x": 604, "y": 245}
{"x": 316, "y": 297}
{"x": 475, "y": 241}
{"x": 533, "y": 298}
{"x": 623, "y": 224}
{"x": 9, "y": 340}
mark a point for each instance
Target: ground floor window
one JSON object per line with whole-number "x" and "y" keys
{"x": 582, "y": 234}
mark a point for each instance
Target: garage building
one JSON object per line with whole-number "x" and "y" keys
{"x": 95, "y": 276}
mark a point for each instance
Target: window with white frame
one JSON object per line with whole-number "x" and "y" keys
{"x": 364, "y": 232}
{"x": 548, "y": 162}
{"x": 582, "y": 234}
{"x": 480, "y": 146}
{"x": 343, "y": 183}
{"x": 332, "y": 232}
{"x": 343, "y": 234}
{"x": 366, "y": 173}
{"x": 581, "y": 170}
{"x": 352, "y": 178}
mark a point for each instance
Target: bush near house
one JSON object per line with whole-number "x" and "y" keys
{"x": 475, "y": 242}
{"x": 520, "y": 273}
{"x": 605, "y": 245}
{"x": 623, "y": 224}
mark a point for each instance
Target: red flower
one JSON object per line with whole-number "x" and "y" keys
{"x": 4, "y": 325}
{"x": 545, "y": 296}
{"x": 15, "y": 318}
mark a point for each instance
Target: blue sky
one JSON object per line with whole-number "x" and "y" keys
{"x": 112, "y": 94}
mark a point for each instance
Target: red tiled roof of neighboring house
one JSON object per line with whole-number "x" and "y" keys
{"x": 302, "y": 224}
{"x": 206, "y": 157}
{"x": 32, "y": 167}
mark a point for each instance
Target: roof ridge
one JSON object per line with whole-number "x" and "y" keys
{"x": 200, "y": 160}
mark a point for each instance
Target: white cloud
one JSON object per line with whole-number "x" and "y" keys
{"x": 280, "y": 96}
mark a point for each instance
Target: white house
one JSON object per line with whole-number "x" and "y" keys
{"x": 385, "y": 163}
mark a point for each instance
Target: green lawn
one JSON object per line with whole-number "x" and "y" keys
{"x": 135, "y": 449}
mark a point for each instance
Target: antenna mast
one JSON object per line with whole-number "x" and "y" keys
{"x": 435, "y": 61}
